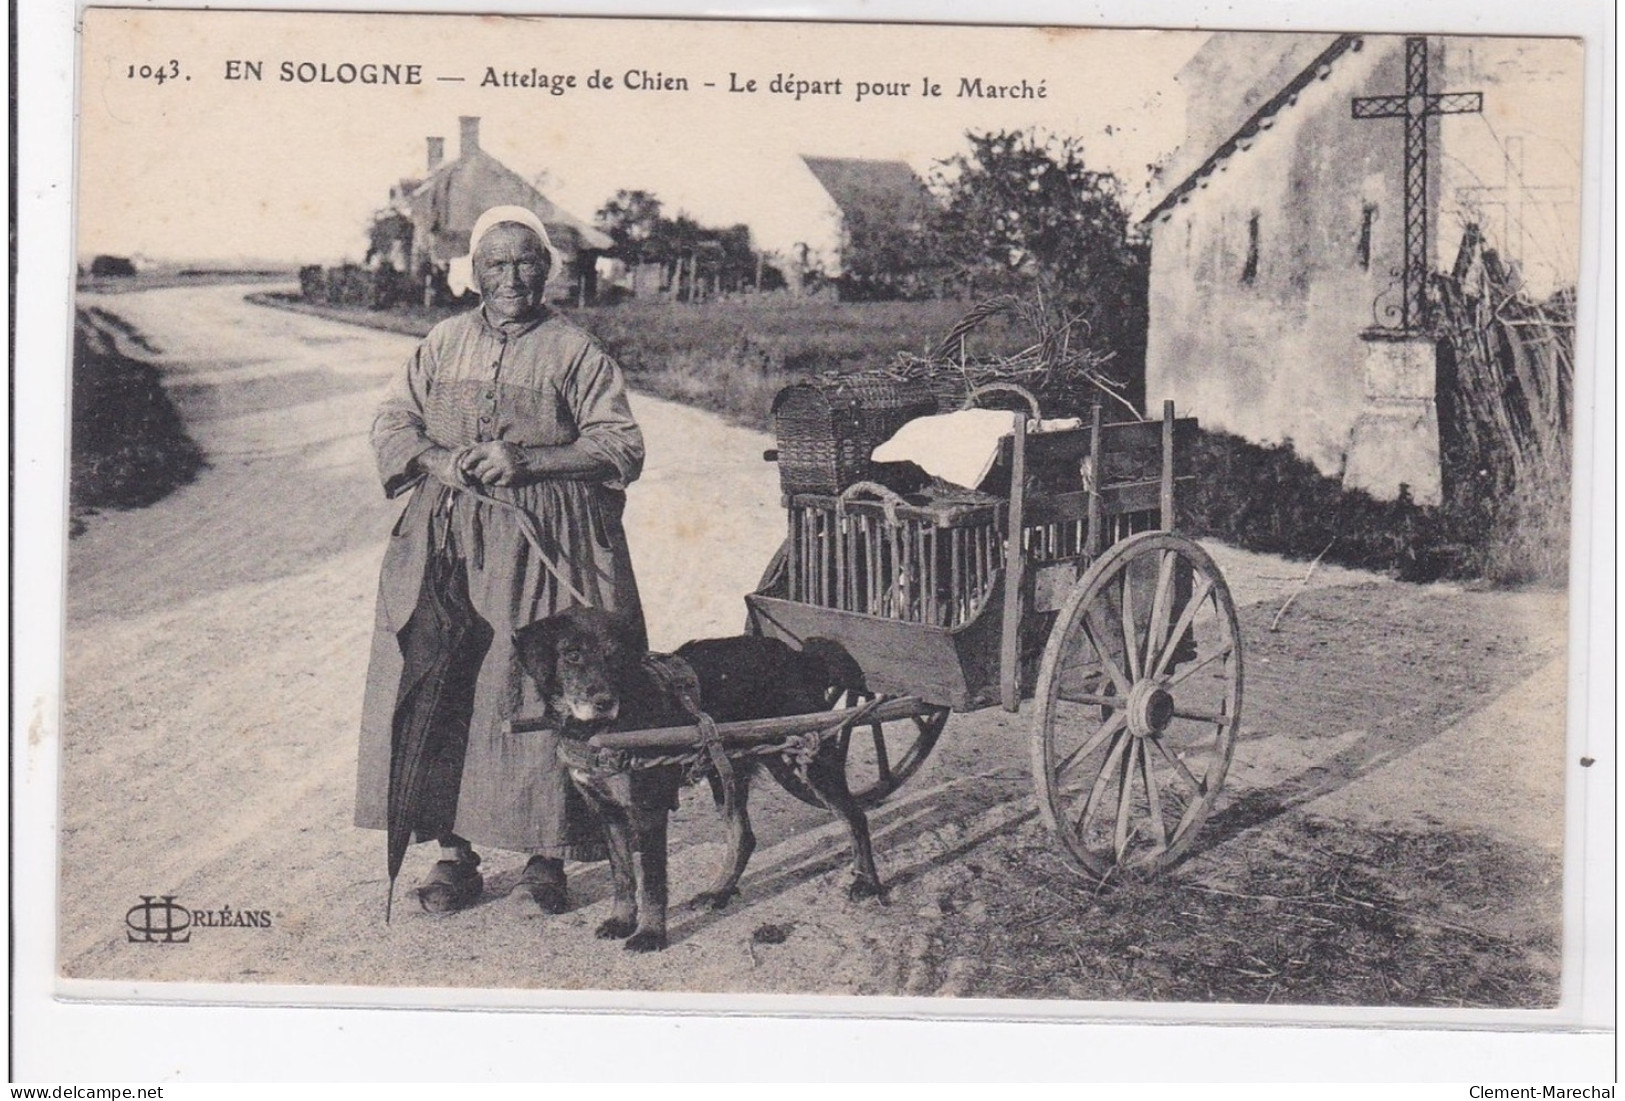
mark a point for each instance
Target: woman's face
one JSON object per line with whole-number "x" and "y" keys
{"x": 511, "y": 266}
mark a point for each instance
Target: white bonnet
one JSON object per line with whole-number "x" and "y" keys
{"x": 460, "y": 273}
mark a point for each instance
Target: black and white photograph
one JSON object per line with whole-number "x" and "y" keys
{"x": 797, "y": 517}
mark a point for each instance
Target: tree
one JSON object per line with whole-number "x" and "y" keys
{"x": 885, "y": 247}
{"x": 696, "y": 258}
{"x": 632, "y": 220}
{"x": 1025, "y": 206}
{"x": 1024, "y": 214}
{"x": 389, "y": 235}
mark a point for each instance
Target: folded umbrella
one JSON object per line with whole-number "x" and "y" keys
{"x": 442, "y": 646}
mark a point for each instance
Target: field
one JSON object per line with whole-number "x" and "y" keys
{"x": 731, "y": 357}
{"x": 176, "y": 276}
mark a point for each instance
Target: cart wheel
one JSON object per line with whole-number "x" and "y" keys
{"x": 1139, "y": 699}
{"x": 880, "y": 757}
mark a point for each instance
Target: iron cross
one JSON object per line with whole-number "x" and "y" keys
{"x": 1415, "y": 107}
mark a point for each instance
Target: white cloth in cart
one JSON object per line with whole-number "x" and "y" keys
{"x": 959, "y": 447}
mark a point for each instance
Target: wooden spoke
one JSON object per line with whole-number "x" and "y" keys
{"x": 1111, "y": 726}
{"x": 1101, "y": 780}
{"x": 1125, "y": 797}
{"x": 1153, "y": 800}
{"x": 1186, "y": 618}
{"x": 1131, "y": 643}
{"x": 1173, "y": 759}
{"x": 1124, "y": 685}
{"x": 1196, "y": 807}
{"x": 1196, "y": 716}
{"x": 1161, "y": 608}
{"x": 1092, "y": 700}
{"x": 1207, "y": 659}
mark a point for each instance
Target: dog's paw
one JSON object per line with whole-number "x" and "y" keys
{"x": 713, "y": 900}
{"x": 645, "y": 942}
{"x": 860, "y": 889}
{"x": 615, "y": 929}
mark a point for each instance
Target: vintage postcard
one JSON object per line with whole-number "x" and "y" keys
{"x": 1128, "y": 474}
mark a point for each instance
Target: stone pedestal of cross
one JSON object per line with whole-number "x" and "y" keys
{"x": 1394, "y": 444}
{"x": 1416, "y": 106}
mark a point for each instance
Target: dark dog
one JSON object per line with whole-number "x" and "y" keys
{"x": 593, "y": 681}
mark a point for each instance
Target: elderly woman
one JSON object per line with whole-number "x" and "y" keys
{"x": 506, "y": 418}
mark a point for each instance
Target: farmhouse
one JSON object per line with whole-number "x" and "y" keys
{"x": 1324, "y": 183}
{"x": 867, "y": 200}
{"x": 443, "y": 205}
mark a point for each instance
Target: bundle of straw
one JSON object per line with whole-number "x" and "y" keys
{"x": 1059, "y": 365}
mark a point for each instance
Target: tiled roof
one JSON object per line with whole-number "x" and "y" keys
{"x": 853, "y": 182}
{"x": 1260, "y": 120}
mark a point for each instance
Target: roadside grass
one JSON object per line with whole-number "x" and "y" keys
{"x": 1313, "y": 912}
{"x": 1265, "y": 497}
{"x": 731, "y": 358}
{"x": 128, "y": 445}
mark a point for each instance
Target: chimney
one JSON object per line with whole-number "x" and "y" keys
{"x": 471, "y": 134}
{"x": 437, "y": 152}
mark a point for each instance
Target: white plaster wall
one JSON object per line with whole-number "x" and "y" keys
{"x": 1281, "y": 358}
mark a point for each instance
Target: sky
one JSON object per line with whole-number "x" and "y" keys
{"x": 202, "y": 167}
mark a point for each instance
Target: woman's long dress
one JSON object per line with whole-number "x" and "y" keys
{"x": 459, "y": 576}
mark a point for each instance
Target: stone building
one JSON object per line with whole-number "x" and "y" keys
{"x": 1323, "y": 181}
{"x": 444, "y": 204}
{"x": 869, "y": 200}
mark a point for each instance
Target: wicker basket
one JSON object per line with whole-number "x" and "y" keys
{"x": 827, "y": 427}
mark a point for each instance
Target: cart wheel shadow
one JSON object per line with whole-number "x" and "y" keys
{"x": 1312, "y": 686}
{"x": 931, "y": 828}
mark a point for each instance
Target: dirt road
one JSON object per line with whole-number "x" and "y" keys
{"x": 216, "y": 647}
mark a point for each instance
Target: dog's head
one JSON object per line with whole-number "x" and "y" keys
{"x": 579, "y": 660}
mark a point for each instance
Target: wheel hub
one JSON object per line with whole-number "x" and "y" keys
{"x": 1150, "y": 709}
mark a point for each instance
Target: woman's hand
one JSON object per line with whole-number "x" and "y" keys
{"x": 496, "y": 463}
{"x": 443, "y": 466}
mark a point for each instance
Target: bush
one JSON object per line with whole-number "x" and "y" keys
{"x": 128, "y": 446}
{"x": 377, "y": 288}
{"x": 112, "y": 265}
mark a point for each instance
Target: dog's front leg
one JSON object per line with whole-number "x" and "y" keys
{"x": 622, "y": 874}
{"x": 651, "y": 864}
{"x": 741, "y": 841}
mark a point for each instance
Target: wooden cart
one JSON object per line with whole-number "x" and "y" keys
{"x": 1070, "y": 589}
